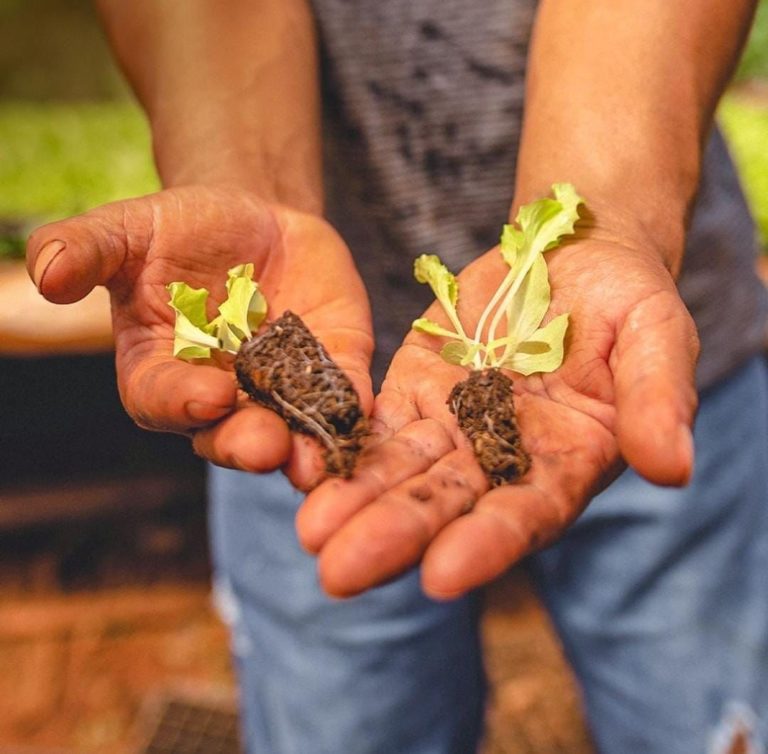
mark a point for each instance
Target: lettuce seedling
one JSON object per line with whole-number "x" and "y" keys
{"x": 508, "y": 334}
{"x": 518, "y": 304}
{"x": 240, "y": 315}
{"x": 284, "y": 368}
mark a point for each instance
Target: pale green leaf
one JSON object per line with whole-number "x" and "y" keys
{"x": 543, "y": 351}
{"x": 544, "y": 222}
{"x": 527, "y": 309}
{"x": 429, "y": 269}
{"x": 191, "y": 342}
{"x": 432, "y": 328}
{"x": 541, "y": 225}
{"x": 245, "y": 307}
{"x": 191, "y": 339}
{"x": 534, "y": 347}
{"x": 190, "y": 302}
{"x": 187, "y": 351}
{"x": 473, "y": 349}
{"x": 511, "y": 242}
{"x": 457, "y": 353}
{"x": 238, "y": 271}
{"x": 229, "y": 338}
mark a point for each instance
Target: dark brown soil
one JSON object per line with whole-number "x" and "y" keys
{"x": 287, "y": 370}
{"x": 484, "y": 407}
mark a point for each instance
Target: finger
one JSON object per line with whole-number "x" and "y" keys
{"x": 511, "y": 521}
{"x": 508, "y": 523}
{"x": 251, "y": 439}
{"x": 409, "y": 452}
{"x": 653, "y": 363}
{"x": 391, "y": 534}
{"x": 166, "y": 394}
{"x": 305, "y": 467}
{"x": 67, "y": 259}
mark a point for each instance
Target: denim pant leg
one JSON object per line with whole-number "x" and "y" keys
{"x": 660, "y": 594}
{"x": 389, "y": 672}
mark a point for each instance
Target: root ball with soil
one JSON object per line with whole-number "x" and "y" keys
{"x": 508, "y": 334}
{"x": 286, "y": 369}
{"x": 484, "y": 407}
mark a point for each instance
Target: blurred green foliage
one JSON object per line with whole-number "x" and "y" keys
{"x": 71, "y": 138}
{"x": 55, "y": 50}
{"x": 62, "y": 159}
{"x": 745, "y": 124}
{"x": 754, "y": 62}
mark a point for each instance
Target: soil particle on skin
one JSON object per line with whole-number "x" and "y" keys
{"x": 286, "y": 369}
{"x": 484, "y": 407}
{"x": 422, "y": 493}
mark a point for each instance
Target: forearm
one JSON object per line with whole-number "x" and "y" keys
{"x": 620, "y": 97}
{"x": 230, "y": 90}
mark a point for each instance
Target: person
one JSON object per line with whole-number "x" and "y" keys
{"x": 411, "y": 127}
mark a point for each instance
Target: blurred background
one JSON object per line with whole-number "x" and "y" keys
{"x": 108, "y": 642}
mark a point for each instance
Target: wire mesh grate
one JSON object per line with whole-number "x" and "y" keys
{"x": 188, "y": 728}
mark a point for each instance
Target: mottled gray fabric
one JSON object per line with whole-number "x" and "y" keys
{"x": 424, "y": 100}
{"x": 719, "y": 283}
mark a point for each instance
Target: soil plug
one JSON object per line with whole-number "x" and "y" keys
{"x": 283, "y": 367}
{"x": 508, "y": 335}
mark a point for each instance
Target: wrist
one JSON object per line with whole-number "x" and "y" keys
{"x": 232, "y": 96}
{"x": 623, "y": 212}
{"x": 288, "y": 172}
{"x": 619, "y": 100}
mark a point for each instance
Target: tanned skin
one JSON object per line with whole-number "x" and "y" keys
{"x": 619, "y": 102}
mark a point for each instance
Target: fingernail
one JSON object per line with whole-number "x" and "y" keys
{"x": 45, "y": 257}
{"x": 200, "y": 411}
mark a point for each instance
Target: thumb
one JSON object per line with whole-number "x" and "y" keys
{"x": 654, "y": 363}
{"x": 67, "y": 259}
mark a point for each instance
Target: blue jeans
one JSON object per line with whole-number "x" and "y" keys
{"x": 659, "y": 596}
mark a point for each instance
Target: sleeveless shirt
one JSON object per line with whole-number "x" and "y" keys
{"x": 423, "y": 102}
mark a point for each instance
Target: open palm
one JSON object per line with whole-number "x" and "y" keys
{"x": 624, "y": 389}
{"x": 194, "y": 234}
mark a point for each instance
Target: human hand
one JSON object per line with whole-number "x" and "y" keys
{"x": 625, "y": 389}
{"x": 194, "y": 234}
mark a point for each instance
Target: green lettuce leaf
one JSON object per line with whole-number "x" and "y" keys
{"x": 544, "y": 222}
{"x": 229, "y": 338}
{"x": 508, "y": 332}
{"x": 459, "y": 352}
{"x": 239, "y": 315}
{"x": 245, "y": 307}
{"x": 510, "y": 244}
{"x": 193, "y": 339}
{"x": 543, "y": 351}
{"x": 431, "y": 328}
{"x": 528, "y": 307}
{"x": 429, "y": 269}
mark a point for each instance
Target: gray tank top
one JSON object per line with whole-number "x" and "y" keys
{"x": 423, "y": 107}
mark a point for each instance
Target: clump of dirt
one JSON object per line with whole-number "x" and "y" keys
{"x": 485, "y": 409}
{"x": 286, "y": 369}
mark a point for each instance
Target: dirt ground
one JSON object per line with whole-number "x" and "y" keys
{"x": 104, "y": 616}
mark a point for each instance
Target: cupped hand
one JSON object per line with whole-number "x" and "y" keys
{"x": 624, "y": 391}
{"x": 195, "y": 234}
